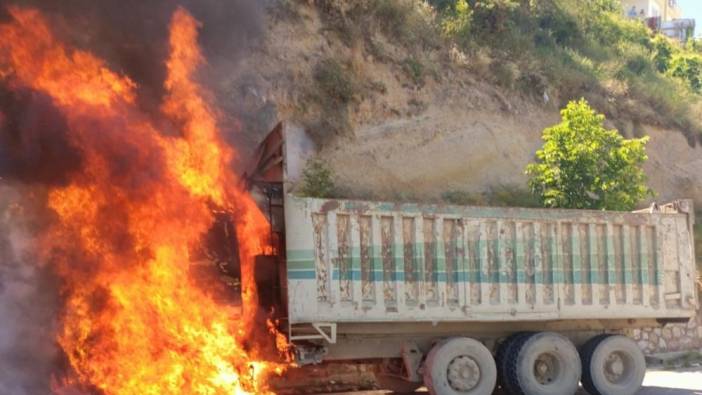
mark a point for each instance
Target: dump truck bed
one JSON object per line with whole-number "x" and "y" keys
{"x": 356, "y": 261}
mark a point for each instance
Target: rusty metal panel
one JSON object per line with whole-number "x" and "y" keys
{"x": 352, "y": 261}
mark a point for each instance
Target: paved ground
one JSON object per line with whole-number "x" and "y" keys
{"x": 681, "y": 382}
{"x": 657, "y": 382}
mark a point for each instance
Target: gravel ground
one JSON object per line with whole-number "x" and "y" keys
{"x": 657, "y": 382}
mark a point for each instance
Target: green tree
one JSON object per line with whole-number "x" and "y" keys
{"x": 583, "y": 165}
{"x": 317, "y": 180}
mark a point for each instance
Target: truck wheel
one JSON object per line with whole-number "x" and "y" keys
{"x": 544, "y": 363}
{"x": 460, "y": 366}
{"x": 612, "y": 365}
{"x": 504, "y": 349}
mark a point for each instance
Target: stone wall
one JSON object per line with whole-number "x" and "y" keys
{"x": 671, "y": 338}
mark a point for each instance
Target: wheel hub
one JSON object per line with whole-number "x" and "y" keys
{"x": 614, "y": 367}
{"x": 463, "y": 373}
{"x": 545, "y": 369}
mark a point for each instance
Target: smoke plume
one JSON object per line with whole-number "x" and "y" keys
{"x": 28, "y": 302}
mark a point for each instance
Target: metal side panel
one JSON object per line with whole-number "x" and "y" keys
{"x": 352, "y": 261}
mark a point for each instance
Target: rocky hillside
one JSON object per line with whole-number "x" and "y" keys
{"x": 401, "y": 113}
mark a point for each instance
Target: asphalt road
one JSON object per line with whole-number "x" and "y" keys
{"x": 657, "y": 382}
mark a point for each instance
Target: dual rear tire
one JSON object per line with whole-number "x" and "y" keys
{"x": 542, "y": 363}
{"x": 612, "y": 365}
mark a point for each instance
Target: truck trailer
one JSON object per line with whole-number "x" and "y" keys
{"x": 461, "y": 299}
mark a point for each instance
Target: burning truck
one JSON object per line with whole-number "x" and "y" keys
{"x": 461, "y": 298}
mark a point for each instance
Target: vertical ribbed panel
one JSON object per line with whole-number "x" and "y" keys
{"x": 399, "y": 256}
{"x": 644, "y": 255}
{"x": 453, "y": 254}
{"x": 343, "y": 238}
{"x": 377, "y": 262}
{"x": 629, "y": 268}
{"x": 524, "y": 263}
{"x": 367, "y": 272}
{"x": 618, "y": 283}
{"x": 473, "y": 258}
{"x": 431, "y": 291}
{"x": 321, "y": 259}
{"x": 387, "y": 231}
{"x": 594, "y": 254}
{"x": 333, "y": 253}
{"x": 549, "y": 242}
{"x": 601, "y": 257}
{"x": 490, "y": 267}
{"x": 539, "y": 272}
{"x": 566, "y": 241}
{"x": 410, "y": 261}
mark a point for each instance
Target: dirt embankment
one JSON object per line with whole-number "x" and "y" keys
{"x": 413, "y": 123}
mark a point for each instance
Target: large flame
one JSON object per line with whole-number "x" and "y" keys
{"x": 133, "y": 321}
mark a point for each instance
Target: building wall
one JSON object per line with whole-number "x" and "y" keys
{"x": 667, "y": 9}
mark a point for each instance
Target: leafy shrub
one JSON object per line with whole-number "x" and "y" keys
{"x": 689, "y": 68}
{"x": 317, "y": 180}
{"x": 335, "y": 81}
{"x": 662, "y": 53}
{"x": 512, "y": 196}
{"x": 414, "y": 70}
{"x": 504, "y": 73}
{"x": 406, "y": 22}
{"x": 457, "y": 20}
{"x": 583, "y": 165}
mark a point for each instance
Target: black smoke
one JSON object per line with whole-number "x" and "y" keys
{"x": 132, "y": 35}
{"x": 34, "y": 139}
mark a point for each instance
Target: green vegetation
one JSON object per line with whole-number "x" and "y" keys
{"x": 317, "y": 180}
{"x": 583, "y": 165}
{"x": 405, "y": 22}
{"x": 499, "y": 196}
{"x": 688, "y": 67}
{"x": 460, "y": 198}
{"x": 580, "y": 48}
{"x": 335, "y": 81}
{"x": 414, "y": 70}
{"x": 337, "y": 89}
{"x": 565, "y": 49}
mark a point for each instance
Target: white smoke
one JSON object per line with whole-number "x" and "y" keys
{"x": 28, "y": 302}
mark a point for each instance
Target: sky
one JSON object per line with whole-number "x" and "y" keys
{"x": 693, "y": 9}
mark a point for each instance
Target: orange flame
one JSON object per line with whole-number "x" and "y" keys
{"x": 133, "y": 322}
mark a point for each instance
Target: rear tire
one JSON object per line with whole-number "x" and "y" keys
{"x": 544, "y": 363}
{"x": 460, "y": 366}
{"x": 507, "y": 348}
{"x": 612, "y": 365}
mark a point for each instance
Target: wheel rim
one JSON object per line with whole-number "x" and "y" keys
{"x": 463, "y": 373}
{"x": 618, "y": 367}
{"x": 547, "y": 368}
